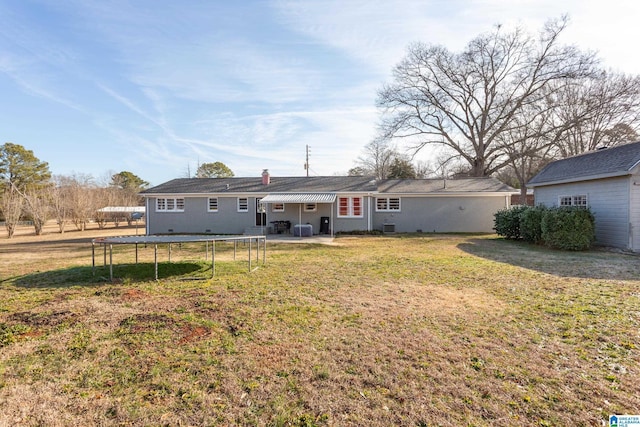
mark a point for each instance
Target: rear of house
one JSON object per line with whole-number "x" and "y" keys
{"x": 465, "y": 205}
{"x": 323, "y": 205}
{"x": 608, "y": 182}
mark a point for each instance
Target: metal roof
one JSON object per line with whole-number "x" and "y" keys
{"x": 299, "y": 198}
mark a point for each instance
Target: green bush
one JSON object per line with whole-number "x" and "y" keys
{"x": 568, "y": 228}
{"x": 531, "y": 224}
{"x": 507, "y": 221}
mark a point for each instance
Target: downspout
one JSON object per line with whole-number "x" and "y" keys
{"x": 368, "y": 212}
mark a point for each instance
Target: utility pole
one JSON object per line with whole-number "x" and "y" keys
{"x": 306, "y": 163}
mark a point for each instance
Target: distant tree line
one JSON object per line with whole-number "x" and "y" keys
{"x": 505, "y": 105}
{"x": 29, "y": 192}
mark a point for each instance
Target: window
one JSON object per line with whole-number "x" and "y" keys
{"x": 310, "y": 207}
{"x": 579, "y": 201}
{"x": 243, "y": 204}
{"x": 170, "y": 205}
{"x": 350, "y": 206}
{"x": 213, "y": 204}
{"x": 277, "y": 207}
{"x": 387, "y": 204}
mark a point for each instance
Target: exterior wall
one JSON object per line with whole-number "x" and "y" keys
{"x": 227, "y": 220}
{"x": 443, "y": 214}
{"x": 197, "y": 220}
{"x": 458, "y": 213}
{"x": 634, "y": 214}
{"x": 608, "y": 199}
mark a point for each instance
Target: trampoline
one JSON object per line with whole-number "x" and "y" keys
{"x": 155, "y": 240}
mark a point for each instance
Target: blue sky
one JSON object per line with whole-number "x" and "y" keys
{"x": 155, "y": 87}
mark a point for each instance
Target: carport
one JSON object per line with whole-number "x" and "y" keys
{"x": 300, "y": 199}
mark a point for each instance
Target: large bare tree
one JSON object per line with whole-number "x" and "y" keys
{"x": 602, "y": 110}
{"x": 466, "y": 101}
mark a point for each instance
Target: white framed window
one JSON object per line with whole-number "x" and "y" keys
{"x": 385, "y": 204}
{"x": 277, "y": 207}
{"x": 579, "y": 200}
{"x": 350, "y": 207}
{"x": 243, "y": 204}
{"x": 213, "y": 204}
{"x": 170, "y": 204}
{"x": 310, "y": 207}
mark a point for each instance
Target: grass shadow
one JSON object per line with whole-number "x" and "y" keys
{"x": 88, "y": 276}
{"x": 597, "y": 263}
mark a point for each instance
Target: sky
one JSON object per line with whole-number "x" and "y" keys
{"x": 157, "y": 87}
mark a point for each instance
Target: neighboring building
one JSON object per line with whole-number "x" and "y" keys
{"x": 328, "y": 204}
{"x": 607, "y": 181}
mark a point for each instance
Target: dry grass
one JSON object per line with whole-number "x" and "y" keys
{"x": 405, "y": 330}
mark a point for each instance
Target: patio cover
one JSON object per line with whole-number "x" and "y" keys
{"x": 299, "y": 198}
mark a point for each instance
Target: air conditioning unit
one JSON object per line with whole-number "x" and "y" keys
{"x": 388, "y": 228}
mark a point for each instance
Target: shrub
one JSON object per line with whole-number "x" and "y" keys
{"x": 531, "y": 224}
{"x": 568, "y": 228}
{"x": 507, "y": 221}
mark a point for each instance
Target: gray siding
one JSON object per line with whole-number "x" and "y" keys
{"x": 465, "y": 214}
{"x": 634, "y": 206}
{"x": 227, "y": 220}
{"x": 196, "y": 218}
{"x": 608, "y": 200}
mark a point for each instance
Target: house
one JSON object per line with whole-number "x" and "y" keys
{"x": 323, "y": 205}
{"x": 607, "y": 181}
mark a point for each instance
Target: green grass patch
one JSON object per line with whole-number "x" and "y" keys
{"x": 375, "y": 330}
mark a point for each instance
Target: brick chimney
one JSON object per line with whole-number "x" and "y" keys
{"x": 266, "y": 178}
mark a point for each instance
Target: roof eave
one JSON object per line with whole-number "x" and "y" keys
{"x": 579, "y": 179}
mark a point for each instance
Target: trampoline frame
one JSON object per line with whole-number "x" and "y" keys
{"x": 155, "y": 240}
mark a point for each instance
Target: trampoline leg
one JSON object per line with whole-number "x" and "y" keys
{"x": 155, "y": 260}
{"x": 110, "y": 262}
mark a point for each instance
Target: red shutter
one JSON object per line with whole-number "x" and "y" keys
{"x": 344, "y": 206}
{"x": 357, "y": 206}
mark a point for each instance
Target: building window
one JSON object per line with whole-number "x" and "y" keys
{"x": 170, "y": 205}
{"x": 213, "y": 204}
{"x": 350, "y": 207}
{"x": 310, "y": 207}
{"x": 384, "y": 204}
{"x": 243, "y": 204}
{"x": 579, "y": 201}
{"x": 277, "y": 207}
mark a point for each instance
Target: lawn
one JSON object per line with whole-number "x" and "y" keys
{"x": 424, "y": 330}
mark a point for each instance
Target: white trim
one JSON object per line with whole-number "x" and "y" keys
{"x": 246, "y": 208}
{"x": 351, "y": 207}
{"x": 387, "y": 204}
{"x": 209, "y": 204}
{"x": 174, "y": 202}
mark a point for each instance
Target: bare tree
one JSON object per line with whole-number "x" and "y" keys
{"x": 603, "y": 110}
{"x": 465, "y": 101}
{"x": 37, "y": 206}
{"x": 81, "y": 200}
{"x": 11, "y": 206}
{"x": 60, "y": 203}
{"x": 377, "y": 158}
